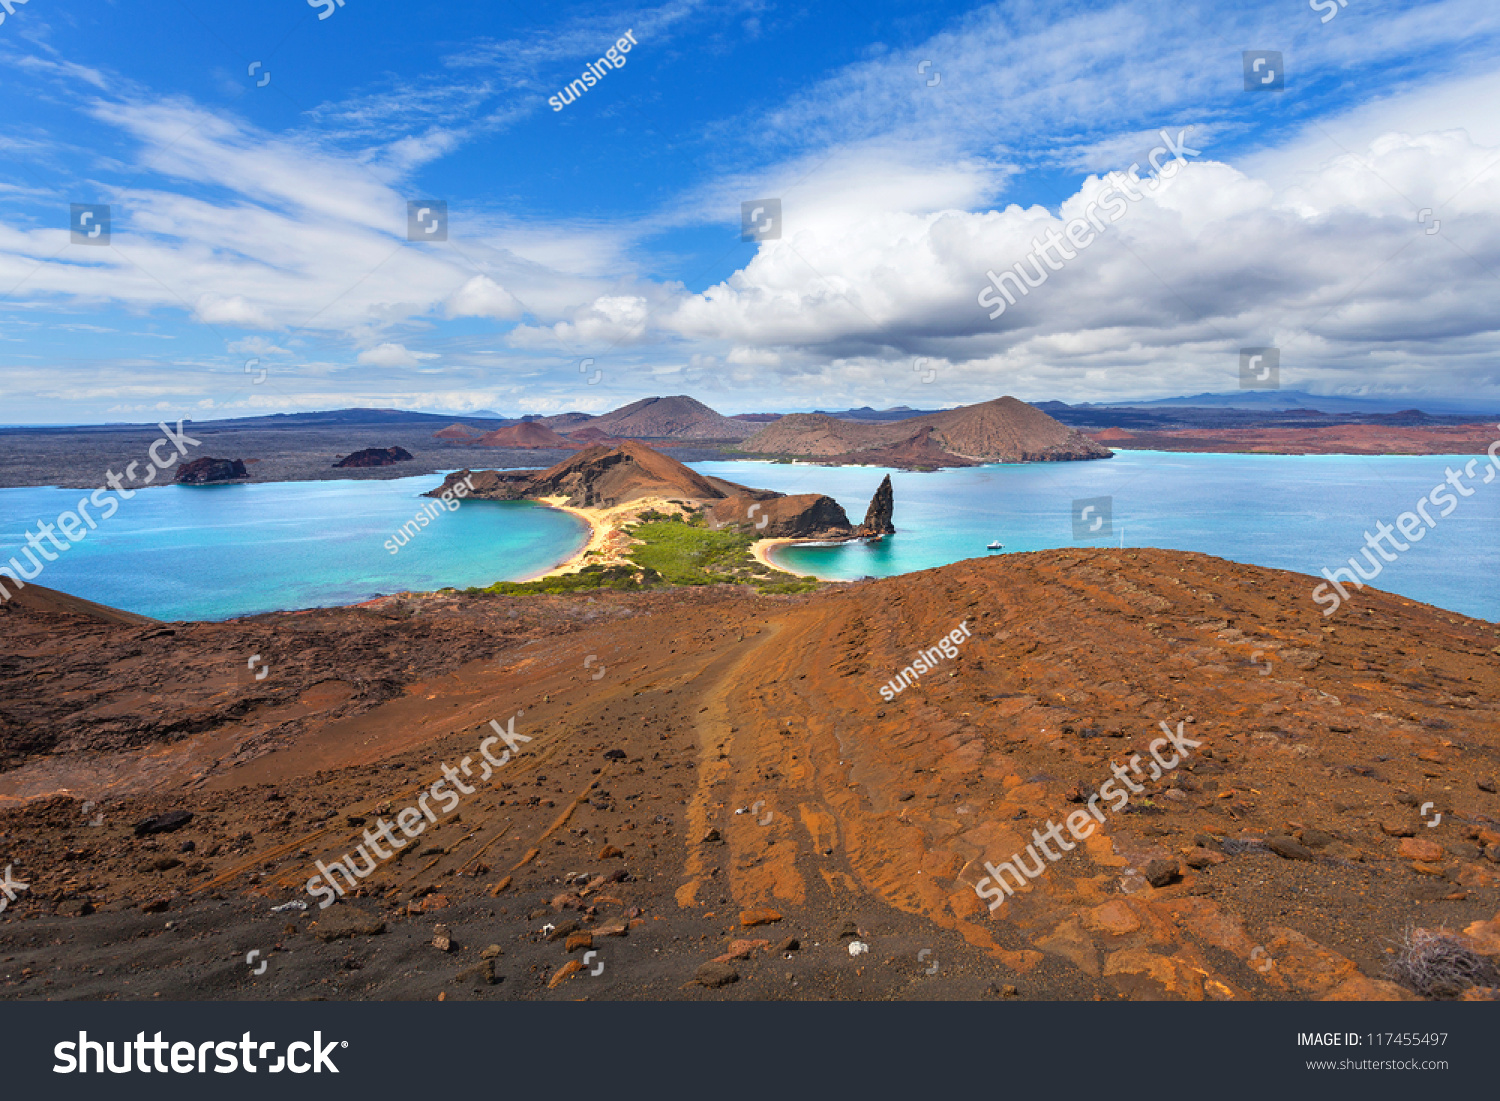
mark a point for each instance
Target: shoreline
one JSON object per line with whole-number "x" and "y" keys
{"x": 761, "y": 550}
{"x": 608, "y": 544}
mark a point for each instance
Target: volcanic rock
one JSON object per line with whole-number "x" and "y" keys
{"x": 878, "y": 515}
{"x": 164, "y": 823}
{"x": 206, "y": 471}
{"x": 374, "y": 456}
{"x": 456, "y": 432}
{"x": 602, "y": 477}
{"x": 715, "y": 974}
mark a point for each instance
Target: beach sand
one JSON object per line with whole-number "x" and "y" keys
{"x": 609, "y": 545}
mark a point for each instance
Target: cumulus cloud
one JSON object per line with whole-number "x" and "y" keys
{"x": 393, "y": 355}
{"x": 482, "y": 297}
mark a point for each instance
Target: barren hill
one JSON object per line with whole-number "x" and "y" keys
{"x": 680, "y": 418}
{"x": 604, "y": 477}
{"x": 1278, "y": 858}
{"x": 1004, "y": 430}
{"x": 528, "y": 434}
{"x": 456, "y": 432}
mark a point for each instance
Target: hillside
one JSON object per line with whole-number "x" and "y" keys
{"x": 674, "y": 418}
{"x": 526, "y": 435}
{"x": 1280, "y": 859}
{"x": 611, "y": 478}
{"x": 1004, "y": 430}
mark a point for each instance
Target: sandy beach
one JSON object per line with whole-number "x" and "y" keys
{"x": 762, "y": 553}
{"x": 609, "y": 545}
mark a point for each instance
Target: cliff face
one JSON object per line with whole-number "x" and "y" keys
{"x": 207, "y": 471}
{"x": 878, "y": 515}
{"x": 802, "y": 516}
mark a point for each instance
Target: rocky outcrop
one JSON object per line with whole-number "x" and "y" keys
{"x": 604, "y": 477}
{"x": 374, "y": 456}
{"x": 878, "y": 515}
{"x": 207, "y": 471}
{"x": 801, "y": 516}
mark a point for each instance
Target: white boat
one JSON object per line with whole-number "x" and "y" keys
{"x": 996, "y": 545}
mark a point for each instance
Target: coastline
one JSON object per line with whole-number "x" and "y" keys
{"x": 761, "y": 552}
{"x": 609, "y": 545}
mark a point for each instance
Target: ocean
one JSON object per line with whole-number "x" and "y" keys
{"x": 214, "y": 552}
{"x": 1291, "y": 512}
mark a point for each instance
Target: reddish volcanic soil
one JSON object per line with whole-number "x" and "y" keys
{"x": 1345, "y": 439}
{"x": 713, "y": 775}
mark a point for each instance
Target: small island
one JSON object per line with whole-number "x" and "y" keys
{"x": 652, "y": 520}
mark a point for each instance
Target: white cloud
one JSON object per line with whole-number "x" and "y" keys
{"x": 393, "y": 355}
{"x": 483, "y": 297}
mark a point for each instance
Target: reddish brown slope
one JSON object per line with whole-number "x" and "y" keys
{"x": 528, "y": 434}
{"x": 1319, "y": 748}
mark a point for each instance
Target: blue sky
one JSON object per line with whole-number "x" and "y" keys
{"x": 259, "y": 228}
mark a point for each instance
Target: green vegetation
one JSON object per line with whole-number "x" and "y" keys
{"x": 586, "y": 579}
{"x": 672, "y": 552}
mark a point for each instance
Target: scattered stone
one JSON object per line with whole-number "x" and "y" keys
{"x": 1316, "y": 839}
{"x": 614, "y": 754}
{"x": 75, "y": 907}
{"x": 1162, "y": 873}
{"x": 609, "y": 852}
{"x": 155, "y": 905}
{"x": 430, "y": 902}
{"x": 347, "y": 921}
{"x": 576, "y": 941}
{"x": 1288, "y": 849}
{"x": 858, "y": 948}
{"x": 441, "y": 940}
{"x": 849, "y": 930}
{"x": 758, "y": 916}
{"x": 791, "y": 944}
{"x": 1201, "y": 858}
{"x": 491, "y": 952}
{"x": 165, "y": 864}
{"x": 1394, "y": 827}
{"x": 164, "y": 823}
{"x": 566, "y": 971}
{"x": 1486, "y": 784}
{"x": 480, "y": 974}
{"x": 715, "y": 974}
{"x": 562, "y": 929}
{"x": 742, "y": 950}
{"x": 1417, "y": 848}
{"x": 906, "y": 796}
{"x": 711, "y": 837}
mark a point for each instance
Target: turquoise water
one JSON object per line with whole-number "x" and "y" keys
{"x": 221, "y": 551}
{"x": 212, "y": 552}
{"x": 1293, "y": 512}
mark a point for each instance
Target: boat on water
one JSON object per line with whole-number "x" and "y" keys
{"x": 996, "y": 545}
